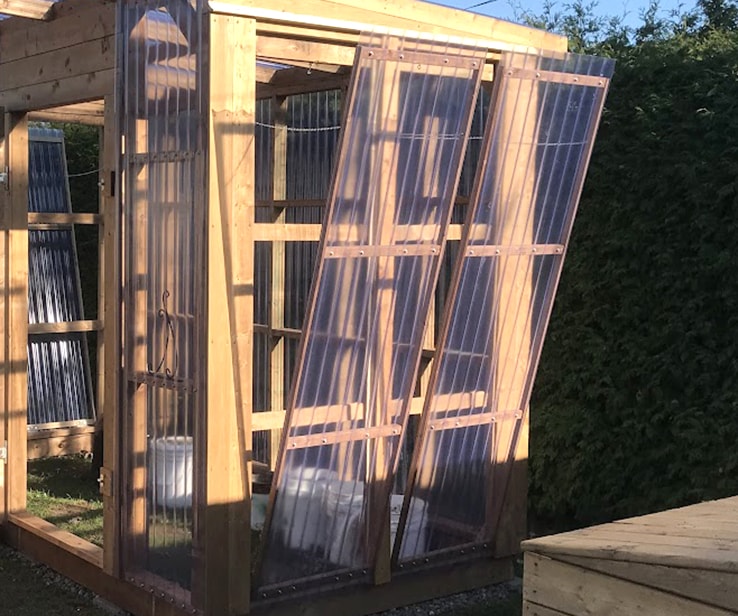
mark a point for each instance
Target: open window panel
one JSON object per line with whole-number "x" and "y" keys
{"x": 540, "y": 132}
{"x": 408, "y": 114}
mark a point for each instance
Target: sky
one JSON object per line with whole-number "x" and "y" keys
{"x": 505, "y": 9}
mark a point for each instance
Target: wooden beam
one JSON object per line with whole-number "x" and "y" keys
{"x": 284, "y": 49}
{"x": 4, "y": 368}
{"x": 300, "y": 80}
{"x": 60, "y": 442}
{"x": 16, "y": 129}
{"x": 91, "y": 114}
{"x": 277, "y": 363}
{"x": 337, "y": 17}
{"x": 64, "y": 218}
{"x": 110, "y": 354}
{"x": 64, "y": 327}
{"x": 230, "y": 316}
{"x": 31, "y": 9}
{"x": 68, "y": 60}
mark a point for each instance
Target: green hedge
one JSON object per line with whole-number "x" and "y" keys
{"x": 635, "y": 407}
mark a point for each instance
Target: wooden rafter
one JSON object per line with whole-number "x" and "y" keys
{"x": 32, "y": 9}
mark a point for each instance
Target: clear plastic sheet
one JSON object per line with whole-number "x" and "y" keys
{"x": 59, "y": 381}
{"x": 539, "y": 137}
{"x": 163, "y": 188}
{"x": 409, "y": 110}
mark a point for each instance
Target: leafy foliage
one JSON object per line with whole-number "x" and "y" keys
{"x": 636, "y": 404}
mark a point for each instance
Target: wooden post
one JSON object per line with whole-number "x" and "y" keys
{"x": 507, "y": 498}
{"x": 4, "y": 207}
{"x": 16, "y": 130}
{"x": 230, "y": 315}
{"x": 378, "y": 451}
{"x": 276, "y": 308}
{"x": 110, "y": 355}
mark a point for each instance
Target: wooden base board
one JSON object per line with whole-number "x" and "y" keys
{"x": 60, "y": 442}
{"x": 82, "y": 562}
{"x": 403, "y": 589}
{"x": 64, "y": 553}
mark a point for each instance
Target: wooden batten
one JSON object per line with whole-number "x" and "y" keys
{"x": 230, "y": 316}
{"x": 16, "y": 131}
{"x": 4, "y": 372}
{"x": 109, "y": 354}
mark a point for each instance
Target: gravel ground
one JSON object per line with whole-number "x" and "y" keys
{"x": 80, "y": 600}
{"x": 483, "y": 599}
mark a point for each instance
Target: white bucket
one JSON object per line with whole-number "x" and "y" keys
{"x": 302, "y": 516}
{"x": 343, "y": 503}
{"x": 170, "y": 470}
{"x": 414, "y": 539}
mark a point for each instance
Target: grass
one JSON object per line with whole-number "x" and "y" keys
{"x": 64, "y": 492}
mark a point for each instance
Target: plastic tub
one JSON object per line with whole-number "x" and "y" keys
{"x": 170, "y": 471}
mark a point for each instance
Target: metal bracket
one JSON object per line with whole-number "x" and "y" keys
{"x": 106, "y": 482}
{"x": 4, "y": 452}
{"x": 4, "y": 176}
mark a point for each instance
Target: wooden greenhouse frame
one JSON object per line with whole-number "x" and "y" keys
{"x": 58, "y": 63}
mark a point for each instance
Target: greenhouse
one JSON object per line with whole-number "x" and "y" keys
{"x": 329, "y": 237}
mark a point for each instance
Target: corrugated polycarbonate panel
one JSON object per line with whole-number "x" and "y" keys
{"x": 537, "y": 147}
{"x": 59, "y": 383}
{"x": 408, "y": 114}
{"x": 164, "y": 227}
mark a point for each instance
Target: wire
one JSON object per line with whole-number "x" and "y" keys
{"x": 79, "y": 175}
{"x": 478, "y": 4}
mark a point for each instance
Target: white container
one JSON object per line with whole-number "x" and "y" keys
{"x": 343, "y": 503}
{"x": 170, "y": 471}
{"x": 301, "y": 515}
{"x": 414, "y": 540}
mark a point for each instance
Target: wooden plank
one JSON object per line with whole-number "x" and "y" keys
{"x": 59, "y": 64}
{"x": 90, "y": 114}
{"x": 90, "y": 86}
{"x": 76, "y": 22}
{"x": 286, "y": 49}
{"x": 4, "y": 208}
{"x": 277, "y": 394}
{"x": 710, "y": 587}
{"x": 617, "y": 535}
{"x": 404, "y": 589}
{"x": 574, "y": 590}
{"x": 111, "y": 353}
{"x": 304, "y": 80}
{"x": 30, "y": 9}
{"x": 401, "y": 14}
{"x": 60, "y": 445}
{"x": 678, "y": 556}
{"x": 16, "y": 129}
{"x": 64, "y": 327}
{"x": 64, "y": 218}
{"x": 699, "y": 533}
{"x": 533, "y": 609}
{"x": 230, "y": 316}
